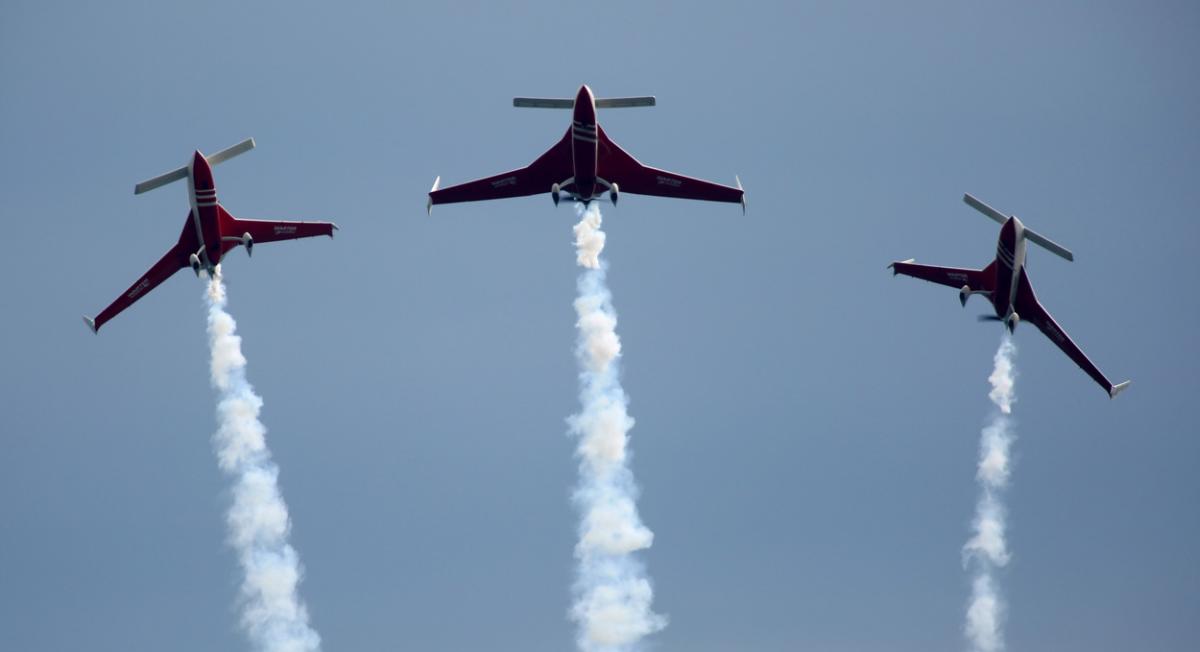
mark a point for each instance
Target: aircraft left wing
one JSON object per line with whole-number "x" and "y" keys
{"x": 1030, "y": 310}
{"x": 174, "y": 260}
{"x": 268, "y": 230}
{"x": 617, "y": 166}
{"x": 550, "y": 168}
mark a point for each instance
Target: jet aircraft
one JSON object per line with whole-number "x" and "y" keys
{"x": 208, "y": 232}
{"x": 585, "y": 164}
{"x": 1005, "y": 283}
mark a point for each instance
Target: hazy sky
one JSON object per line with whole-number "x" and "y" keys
{"x": 807, "y": 426}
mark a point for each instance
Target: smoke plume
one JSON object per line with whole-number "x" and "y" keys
{"x": 612, "y": 591}
{"x": 272, "y": 614}
{"x": 987, "y": 551}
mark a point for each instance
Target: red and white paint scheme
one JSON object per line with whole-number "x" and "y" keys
{"x": 1005, "y": 283}
{"x": 209, "y": 231}
{"x": 585, "y": 165}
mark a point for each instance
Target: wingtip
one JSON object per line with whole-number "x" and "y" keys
{"x": 738, "y": 179}
{"x": 1118, "y": 388}
{"x": 91, "y": 324}
{"x": 892, "y": 266}
{"x": 334, "y": 230}
{"x": 429, "y": 202}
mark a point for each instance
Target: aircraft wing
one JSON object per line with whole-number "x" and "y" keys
{"x": 955, "y": 277}
{"x": 617, "y": 166}
{"x": 268, "y": 230}
{"x": 550, "y": 168}
{"x": 1030, "y": 310}
{"x": 174, "y": 260}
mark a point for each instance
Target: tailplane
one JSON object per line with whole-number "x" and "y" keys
{"x": 567, "y": 103}
{"x": 181, "y": 173}
{"x": 1030, "y": 235}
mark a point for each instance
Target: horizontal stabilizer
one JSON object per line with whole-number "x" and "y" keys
{"x": 984, "y": 208}
{"x": 565, "y": 103}
{"x": 1048, "y": 244}
{"x": 543, "y": 103}
{"x": 1118, "y": 388}
{"x": 624, "y": 102}
{"x": 230, "y": 152}
{"x": 160, "y": 180}
{"x": 181, "y": 173}
{"x": 1030, "y": 234}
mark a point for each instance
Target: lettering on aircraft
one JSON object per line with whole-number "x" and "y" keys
{"x": 668, "y": 181}
{"x": 506, "y": 181}
{"x": 288, "y": 229}
{"x": 138, "y": 289}
{"x": 957, "y": 276}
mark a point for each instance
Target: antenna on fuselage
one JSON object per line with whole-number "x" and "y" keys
{"x": 1030, "y": 235}
{"x": 181, "y": 173}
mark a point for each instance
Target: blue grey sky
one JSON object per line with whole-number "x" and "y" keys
{"x": 807, "y": 425}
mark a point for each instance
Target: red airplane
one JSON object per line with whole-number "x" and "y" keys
{"x": 585, "y": 164}
{"x": 1006, "y": 284}
{"x": 208, "y": 232}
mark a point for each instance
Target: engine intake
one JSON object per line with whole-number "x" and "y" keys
{"x": 194, "y": 261}
{"x": 248, "y": 243}
{"x": 612, "y": 194}
{"x": 554, "y": 193}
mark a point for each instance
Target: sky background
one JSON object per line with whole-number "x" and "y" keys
{"x": 807, "y": 426}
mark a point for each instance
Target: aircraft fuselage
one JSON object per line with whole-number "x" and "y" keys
{"x": 202, "y": 194}
{"x": 1010, "y": 258}
{"x": 584, "y": 140}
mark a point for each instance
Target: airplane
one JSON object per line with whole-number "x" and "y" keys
{"x": 209, "y": 231}
{"x": 584, "y": 165}
{"x": 1005, "y": 283}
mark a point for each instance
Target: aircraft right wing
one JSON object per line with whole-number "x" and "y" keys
{"x": 955, "y": 277}
{"x": 550, "y": 168}
{"x": 1029, "y": 309}
{"x": 619, "y": 167}
{"x": 174, "y": 260}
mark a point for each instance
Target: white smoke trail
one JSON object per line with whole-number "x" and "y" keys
{"x": 612, "y": 592}
{"x": 987, "y": 548}
{"x": 272, "y": 613}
